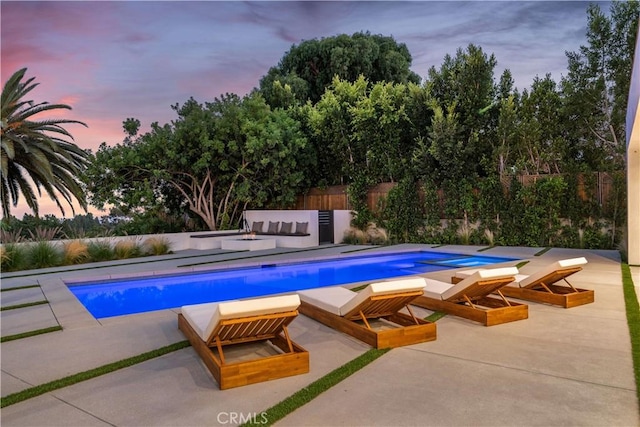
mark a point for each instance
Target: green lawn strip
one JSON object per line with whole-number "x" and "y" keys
{"x": 542, "y": 252}
{"x": 26, "y": 304}
{"x": 30, "y": 334}
{"x": 87, "y": 375}
{"x": 521, "y": 264}
{"x": 19, "y": 287}
{"x": 313, "y": 390}
{"x": 486, "y": 249}
{"x": 359, "y": 288}
{"x": 633, "y": 320}
{"x": 435, "y": 316}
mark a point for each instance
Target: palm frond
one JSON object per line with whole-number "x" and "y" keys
{"x": 34, "y": 153}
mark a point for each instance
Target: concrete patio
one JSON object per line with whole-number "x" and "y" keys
{"x": 559, "y": 367}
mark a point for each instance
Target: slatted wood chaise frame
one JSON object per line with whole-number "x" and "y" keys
{"x": 210, "y": 328}
{"x": 352, "y": 312}
{"x": 548, "y": 285}
{"x": 471, "y": 297}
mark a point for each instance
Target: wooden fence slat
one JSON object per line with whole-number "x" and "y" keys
{"x": 336, "y": 198}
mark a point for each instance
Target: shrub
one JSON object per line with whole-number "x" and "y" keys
{"x": 354, "y": 236}
{"x": 377, "y": 236}
{"x": 14, "y": 257}
{"x": 157, "y": 246}
{"x": 100, "y": 250}
{"x": 464, "y": 231}
{"x": 402, "y": 214}
{"x": 489, "y": 236}
{"x": 357, "y": 192}
{"x": 76, "y": 252}
{"x": 44, "y": 233}
{"x": 11, "y": 236}
{"x": 43, "y": 254}
{"x": 127, "y": 249}
{"x": 595, "y": 237}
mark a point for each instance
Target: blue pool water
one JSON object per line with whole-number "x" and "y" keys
{"x": 138, "y": 295}
{"x": 471, "y": 261}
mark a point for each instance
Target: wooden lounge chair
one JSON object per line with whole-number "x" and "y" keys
{"x": 545, "y": 285}
{"x": 470, "y": 298}
{"x": 371, "y": 315}
{"x": 212, "y": 328}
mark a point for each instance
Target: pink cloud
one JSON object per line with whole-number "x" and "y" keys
{"x": 46, "y": 206}
{"x": 69, "y": 100}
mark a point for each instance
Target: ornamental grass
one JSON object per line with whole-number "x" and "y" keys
{"x": 157, "y": 246}
{"x": 76, "y": 252}
{"x": 125, "y": 249}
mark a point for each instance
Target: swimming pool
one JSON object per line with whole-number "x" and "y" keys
{"x": 137, "y": 295}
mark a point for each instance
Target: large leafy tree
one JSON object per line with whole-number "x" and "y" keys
{"x": 308, "y": 68}
{"x": 464, "y": 87}
{"x": 35, "y": 153}
{"x": 382, "y": 125}
{"x": 542, "y": 138}
{"x": 597, "y": 86}
{"x": 214, "y": 160}
{"x": 341, "y": 156}
{"x": 363, "y": 129}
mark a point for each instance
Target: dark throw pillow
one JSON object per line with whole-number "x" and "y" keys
{"x": 285, "y": 228}
{"x": 273, "y": 227}
{"x": 301, "y": 227}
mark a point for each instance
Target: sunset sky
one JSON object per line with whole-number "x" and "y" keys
{"x": 114, "y": 60}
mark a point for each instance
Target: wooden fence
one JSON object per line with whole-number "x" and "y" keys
{"x": 336, "y": 197}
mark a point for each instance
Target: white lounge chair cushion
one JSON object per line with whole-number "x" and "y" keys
{"x": 204, "y": 318}
{"x": 558, "y": 265}
{"x": 435, "y": 288}
{"x": 383, "y": 288}
{"x": 330, "y": 298}
{"x": 442, "y": 290}
{"x": 466, "y": 273}
{"x": 340, "y": 301}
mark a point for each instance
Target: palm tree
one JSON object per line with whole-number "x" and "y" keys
{"x": 34, "y": 153}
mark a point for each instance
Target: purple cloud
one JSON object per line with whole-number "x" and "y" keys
{"x": 113, "y": 60}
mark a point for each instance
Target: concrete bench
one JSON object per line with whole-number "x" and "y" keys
{"x": 214, "y": 240}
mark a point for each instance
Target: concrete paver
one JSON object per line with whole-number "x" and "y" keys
{"x": 559, "y": 367}
{"x": 177, "y": 389}
{"x": 48, "y": 410}
{"x": 21, "y": 296}
{"x": 26, "y": 319}
{"x": 412, "y": 386}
